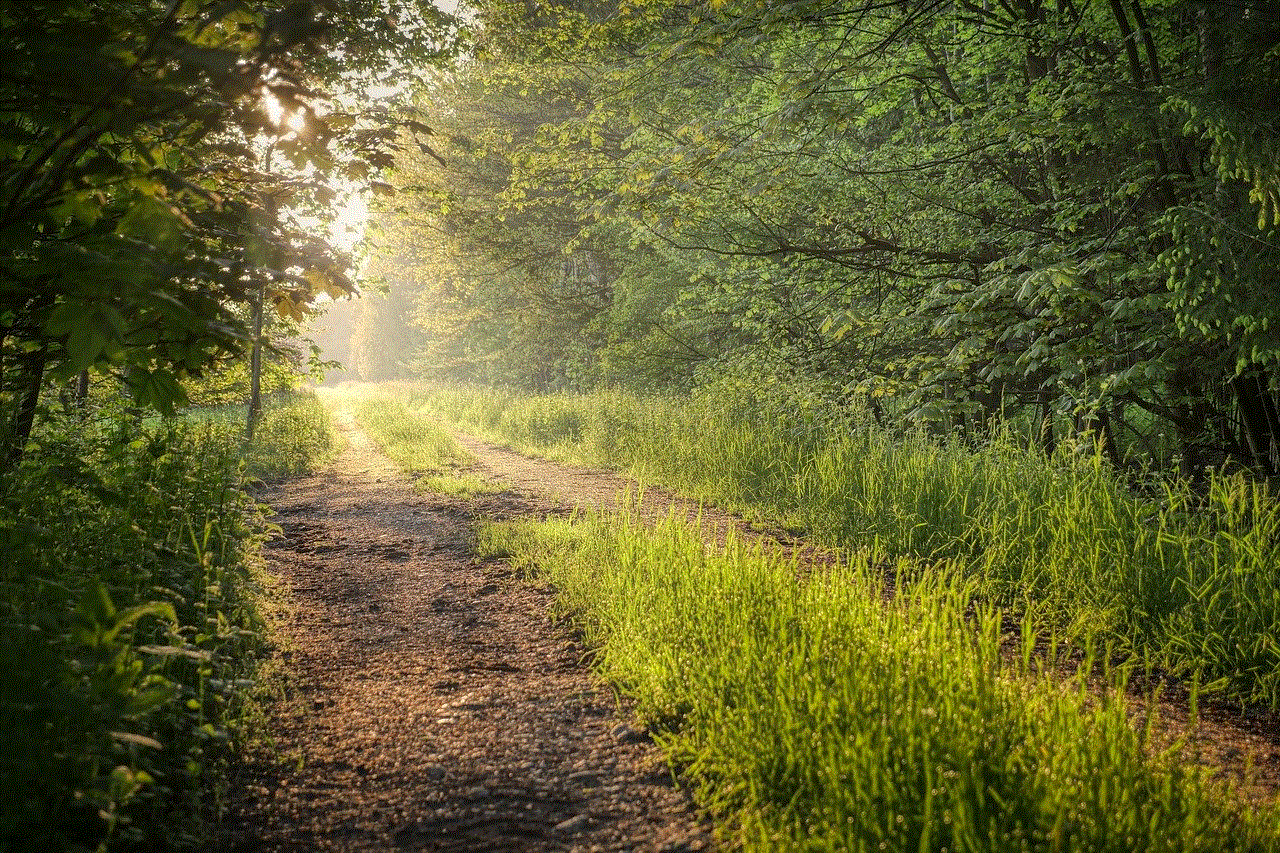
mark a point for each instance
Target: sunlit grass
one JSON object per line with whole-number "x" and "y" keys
{"x": 294, "y": 436}
{"x": 811, "y": 714}
{"x": 413, "y": 441}
{"x": 461, "y": 485}
{"x": 420, "y": 446}
{"x": 1190, "y": 583}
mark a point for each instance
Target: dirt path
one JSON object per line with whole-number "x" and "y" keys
{"x": 437, "y": 704}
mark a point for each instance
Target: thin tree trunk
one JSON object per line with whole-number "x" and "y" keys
{"x": 31, "y": 379}
{"x": 1259, "y": 423}
{"x": 82, "y": 391}
{"x": 1048, "y": 441}
{"x": 255, "y": 370}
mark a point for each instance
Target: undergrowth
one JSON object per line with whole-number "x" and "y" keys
{"x": 812, "y": 715}
{"x": 129, "y": 622}
{"x": 294, "y": 436}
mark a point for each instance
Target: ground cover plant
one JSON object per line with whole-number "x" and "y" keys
{"x": 812, "y": 714}
{"x": 128, "y": 625}
{"x": 129, "y": 619}
{"x": 1189, "y": 581}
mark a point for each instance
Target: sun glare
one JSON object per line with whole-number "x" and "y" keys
{"x": 350, "y": 218}
{"x": 288, "y": 122}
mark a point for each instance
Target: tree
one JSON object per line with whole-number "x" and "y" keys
{"x": 1059, "y": 213}
{"x": 136, "y": 209}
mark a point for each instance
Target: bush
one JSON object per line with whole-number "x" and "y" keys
{"x": 128, "y": 624}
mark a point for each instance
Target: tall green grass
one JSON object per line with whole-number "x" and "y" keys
{"x": 811, "y": 715}
{"x": 295, "y": 435}
{"x": 415, "y": 442}
{"x": 1188, "y": 582}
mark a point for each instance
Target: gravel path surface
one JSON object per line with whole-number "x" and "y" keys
{"x": 436, "y": 703}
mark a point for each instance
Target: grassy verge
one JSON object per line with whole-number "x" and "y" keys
{"x": 1189, "y": 584}
{"x": 420, "y": 446}
{"x": 130, "y": 625}
{"x": 811, "y": 715}
{"x": 295, "y": 435}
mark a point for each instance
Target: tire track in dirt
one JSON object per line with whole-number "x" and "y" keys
{"x": 576, "y": 486}
{"x": 435, "y": 704}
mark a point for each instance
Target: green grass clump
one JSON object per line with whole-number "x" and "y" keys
{"x": 463, "y": 486}
{"x": 420, "y": 446}
{"x": 1189, "y": 582}
{"x": 128, "y": 630}
{"x": 294, "y": 436}
{"x": 812, "y": 715}
{"x": 415, "y": 442}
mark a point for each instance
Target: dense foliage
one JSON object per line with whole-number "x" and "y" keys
{"x": 166, "y": 172}
{"x": 1063, "y": 213}
{"x": 129, "y": 622}
{"x": 125, "y": 559}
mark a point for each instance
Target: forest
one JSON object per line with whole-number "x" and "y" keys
{"x": 952, "y": 285}
{"x": 1056, "y": 214}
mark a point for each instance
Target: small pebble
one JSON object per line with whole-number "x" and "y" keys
{"x": 573, "y": 824}
{"x": 625, "y": 734}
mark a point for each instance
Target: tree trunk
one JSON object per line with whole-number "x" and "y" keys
{"x": 1192, "y": 424}
{"x": 1096, "y": 426}
{"x": 30, "y": 381}
{"x": 1048, "y": 441}
{"x": 1259, "y": 422}
{"x": 255, "y": 370}
{"x": 82, "y": 391}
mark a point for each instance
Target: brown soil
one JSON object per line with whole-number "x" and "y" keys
{"x": 437, "y": 703}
